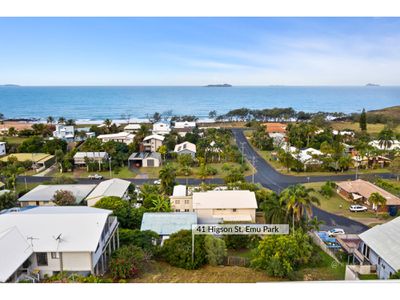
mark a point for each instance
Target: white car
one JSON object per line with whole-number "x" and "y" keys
{"x": 158, "y": 181}
{"x": 336, "y": 231}
{"x": 357, "y": 208}
{"x": 95, "y": 176}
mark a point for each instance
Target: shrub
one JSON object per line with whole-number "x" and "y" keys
{"x": 177, "y": 250}
{"x": 127, "y": 262}
{"x": 328, "y": 189}
{"x": 64, "y": 198}
{"x": 215, "y": 250}
{"x": 280, "y": 255}
{"x": 144, "y": 239}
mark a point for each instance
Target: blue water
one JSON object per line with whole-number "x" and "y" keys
{"x": 97, "y": 103}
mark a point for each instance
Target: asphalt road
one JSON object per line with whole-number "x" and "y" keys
{"x": 266, "y": 175}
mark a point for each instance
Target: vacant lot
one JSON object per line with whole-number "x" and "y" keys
{"x": 161, "y": 272}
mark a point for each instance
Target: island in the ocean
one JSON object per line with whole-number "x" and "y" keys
{"x": 10, "y": 85}
{"x": 372, "y": 84}
{"x": 219, "y": 85}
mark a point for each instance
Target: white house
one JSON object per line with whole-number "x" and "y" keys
{"x": 114, "y": 187}
{"x": 161, "y": 128}
{"x": 395, "y": 145}
{"x": 99, "y": 157}
{"x": 144, "y": 159}
{"x": 3, "y": 150}
{"x": 64, "y": 132}
{"x": 185, "y": 148}
{"x": 185, "y": 124}
{"x": 122, "y": 137}
{"x": 43, "y": 194}
{"x": 132, "y": 128}
{"x": 152, "y": 142}
{"x": 40, "y": 241}
{"x": 380, "y": 247}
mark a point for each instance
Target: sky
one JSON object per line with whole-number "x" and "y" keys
{"x": 199, "y": 51}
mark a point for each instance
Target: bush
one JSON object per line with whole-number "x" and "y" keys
{"x": 177, "y": 250}
{"x": 328, "y": 189}
{"x": 127, "y": 262}
{"x": 215, "y": 250}
{"x": 147, "y": 240}
{"x": 238, "y": 241}
{"x": 280, "y": 255}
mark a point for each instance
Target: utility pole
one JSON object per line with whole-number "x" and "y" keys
{"x": 254, "y": 167}
{"x": 242, "y": 143}
{"x": 109, "y": 165}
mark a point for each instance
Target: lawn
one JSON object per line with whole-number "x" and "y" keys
{"x": 153, "y": 172}
{"x": 327, "y": 269}
{"x": 371, "y": 128}
{"x": 125, "y": 172}
{"x": 337, "y": 205}
{"x": 161, "y": 272}
{"x": 13, "y": 139}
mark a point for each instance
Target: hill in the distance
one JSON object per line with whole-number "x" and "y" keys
{"x": 392, "y": 112}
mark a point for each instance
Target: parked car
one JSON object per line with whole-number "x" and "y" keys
{"x": 336, "y": 231}
{"x": 95, "y": 176}
{"x": 357, "y": 208}
{"x": 158, "y": 181}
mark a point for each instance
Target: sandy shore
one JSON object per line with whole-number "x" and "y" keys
{"x": 18, "y": 125}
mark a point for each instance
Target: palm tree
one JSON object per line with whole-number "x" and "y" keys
{"x": 167, "y": 175}
{"x": 50, "y": 120}
{"x": 385, "y": 138}
{"x": 376, "y": 199}
{"x": 314, "y": 224}
{"x": 108, "y": 123}
{"x": 274, "y": 210}
{"x": 298, "y": 201}
{"x": 161, "y": 204}
{"x": 61, "y": 120}
{"x": 12, "y": 131}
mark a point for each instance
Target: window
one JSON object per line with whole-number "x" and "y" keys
{"x": 379, "y": 260}
{"x": 177, "y": 201}
{"x": 41, "y": 258}
{"x": 186, "y": 210}
{"x": 177, "y": 210}
{"x": 234, "y": 210}
{"x": 186, "y": 201}
{"x": 54, "y": 255}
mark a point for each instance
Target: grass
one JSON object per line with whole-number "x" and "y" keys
{"x": 371, "y": 128}
{"x": 153, "y": 172}
{"x": 22, "y": 187}
{"x": 327, "y": 269}
{"x": 368, "y": 276}
{"x": 161, "y": 272}
{"x": 13, "y": 139}
{"x": 338, "y": 205}
{"x": 28, "y": 156}
{"x": 124, "y": 173}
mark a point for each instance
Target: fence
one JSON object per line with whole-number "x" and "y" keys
{"x": 237, "y": 261}
{"x": 317, "y": 240}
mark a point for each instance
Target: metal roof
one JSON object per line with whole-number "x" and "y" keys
{"x": 113, "y": 187}
{"x": 385, "y": 241}
{"x": 80, "y": 227}
{"x": 185, "y": 146}
{"x": 168, "y": 223}
{"x": 224, "y": 199}
{"x": 91, "y": 154}
{"x": 154, "y": 136}
{"x": 14, "y": 251}
{"x": 46, "y": 192}
{"x": 144, "y": 155}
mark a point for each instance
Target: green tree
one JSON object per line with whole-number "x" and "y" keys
{"x": 127, "y": 262}
{"x": 363, "y": 120}
{"x": 8, "y": 200}
{"x": 59, "y": 154}
{"x": 274, "y": 209}
{"x": 395, "y": 167}
{"x": 376, "y": 200}
{"x": 163, "y": 151}
{"x": 327, "y": 189}
{"x": 64, "y": 198}
{"x": 177, "y": 250}
{"x": 32, "y": 144}
{"x": 11, "y": 172}
{"x": 147, "y": 240}
{"x": 160, "y": 203}
{"x": 234, "y": 175}
{"x": 215, "y": 250}
{"x": 61, "y": 120}
{"x": 315, "y": 224}
{"x": 167, "y": 175}
{"x": 121, "y": 209}
{"x": 299, "y": 201}
{"x": 280, "y": 255}
{"x": 50, "y": 120}
{"x": 385, "y": 138}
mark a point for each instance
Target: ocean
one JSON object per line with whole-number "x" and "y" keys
{"x": 100, "y": 102}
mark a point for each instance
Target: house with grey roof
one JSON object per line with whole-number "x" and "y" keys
{"x": 144, "y": 159}
{"x": 167, "y": 223}
{"x": 109, "y": 188}
{"x": 43, "y": 194}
